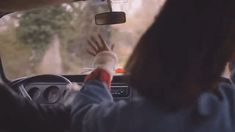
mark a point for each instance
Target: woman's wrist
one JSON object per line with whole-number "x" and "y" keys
{"x": 101, "y": 75}
{"x": 106, "y": 60}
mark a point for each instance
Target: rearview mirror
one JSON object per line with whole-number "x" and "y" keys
{"x": 109, "y": 18}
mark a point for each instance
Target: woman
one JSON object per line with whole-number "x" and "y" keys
{"x": 176, "y": 69}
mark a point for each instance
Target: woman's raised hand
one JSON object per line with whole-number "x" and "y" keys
{"x": 97, "y": 45}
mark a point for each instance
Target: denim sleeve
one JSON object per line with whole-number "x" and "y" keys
{"x": 87, "y": 106}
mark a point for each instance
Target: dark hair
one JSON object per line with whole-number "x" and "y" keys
{"x": 184, "y": 52}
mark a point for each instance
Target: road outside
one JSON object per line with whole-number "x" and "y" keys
{"x": 52, "y": 61}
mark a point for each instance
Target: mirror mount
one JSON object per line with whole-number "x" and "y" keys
{"x": 110, "y": 5}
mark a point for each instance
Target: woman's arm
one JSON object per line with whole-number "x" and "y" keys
{"x": 16, "y": 5}
{"x": 96, "y": 90}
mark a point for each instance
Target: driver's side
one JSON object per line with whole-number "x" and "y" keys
{"x": 42, "y": 102}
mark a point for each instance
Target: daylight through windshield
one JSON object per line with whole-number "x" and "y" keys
{"x": 53, "y": 40}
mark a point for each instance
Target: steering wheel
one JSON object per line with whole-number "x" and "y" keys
{"x": 25, "y": 81}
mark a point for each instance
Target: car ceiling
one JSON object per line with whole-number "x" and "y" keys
{"x": 3, "y": 13}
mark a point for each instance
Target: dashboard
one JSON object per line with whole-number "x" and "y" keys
{"x": 50, "y": 90}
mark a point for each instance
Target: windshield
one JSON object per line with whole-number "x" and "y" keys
{"x": 53, "y": 39}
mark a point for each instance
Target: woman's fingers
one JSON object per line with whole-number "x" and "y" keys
{"x": 93, "y": 46}
{"x": 104, "y": 44}
{"x": 112, "y": 46}
{"x": 98, "y": 45}
{"x": 91, "y": 53}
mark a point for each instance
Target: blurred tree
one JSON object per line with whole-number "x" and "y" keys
{"x": 37, "y": 27}
{"x": 73, "y": 23}
{"x": 78, "y": 44}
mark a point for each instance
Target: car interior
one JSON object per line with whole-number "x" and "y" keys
{"x": 50, "y": 88}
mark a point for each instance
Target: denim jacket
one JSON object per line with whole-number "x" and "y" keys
{"x": 94, "y": 110}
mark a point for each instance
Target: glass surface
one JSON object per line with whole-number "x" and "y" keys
{"x": 53, "y": 40}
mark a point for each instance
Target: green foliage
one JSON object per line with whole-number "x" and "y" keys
{"x": 37, "y": 27}
{"x": 15, "y": 56}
